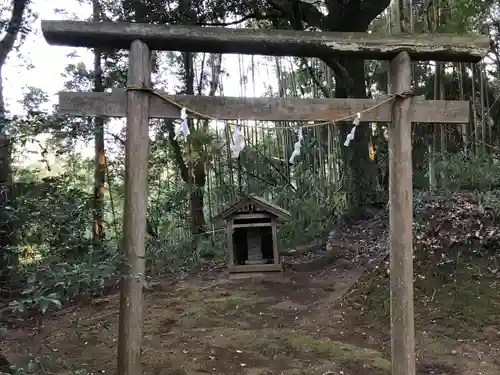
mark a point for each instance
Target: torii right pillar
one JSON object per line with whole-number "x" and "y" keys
{"x": 401, "y": 218}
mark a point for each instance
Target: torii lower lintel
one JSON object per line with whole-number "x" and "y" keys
{"x": 114, "y": 104}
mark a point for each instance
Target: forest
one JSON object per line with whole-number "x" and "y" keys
{"x": 62, "y": 196}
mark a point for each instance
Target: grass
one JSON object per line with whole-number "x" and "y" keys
{"x": 341, "y": 352}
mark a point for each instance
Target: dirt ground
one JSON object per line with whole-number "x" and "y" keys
{"x": 210, "y": 325}
{"x": 301, "y": 324}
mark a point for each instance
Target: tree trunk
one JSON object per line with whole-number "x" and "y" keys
{"x": 98, "y": 230}
{"x": 196, "y": 206}
{"x": 359, "y": 170}
{"x": 8, "y": 259}
{"x": 200, "y": 175}
{"x": 195, "y": 174}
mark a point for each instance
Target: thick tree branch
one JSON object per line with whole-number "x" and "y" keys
{"x": 297, "y": 19}
{"x": 116, "y": 138}
{"x": 307, "y": 13}
{"x": 315, "y": 80}
{"x": 371, "y": 9}
{"x": 270, "y": 183}
{"x": 15, "y": 24}
{"x": 339, "y": 71}
{"x": 352, "y": 16}
{"x": 311, "y": 15}
{"x": 253, "y": 15}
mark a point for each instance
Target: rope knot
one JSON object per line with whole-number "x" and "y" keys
{"x": 404, "y": 95}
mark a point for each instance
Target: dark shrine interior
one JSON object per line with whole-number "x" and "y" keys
{"x": 240, "y": 241}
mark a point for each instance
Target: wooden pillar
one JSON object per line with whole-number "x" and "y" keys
{"x": 401, "y": 220}
{"x": 276, "y": 255}
{"x": 230, "y": 244}
{"x": 134, "y": 216}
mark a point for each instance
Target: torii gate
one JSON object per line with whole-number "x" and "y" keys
{"x": 138, "y": 106}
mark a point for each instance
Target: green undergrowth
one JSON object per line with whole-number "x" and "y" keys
{"x": 458, "y": 298}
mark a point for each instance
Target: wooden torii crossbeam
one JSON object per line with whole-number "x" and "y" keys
{"x": 424, "y": 47}
{"x": 114, "y": 104}
{"x": 138, "y": 106}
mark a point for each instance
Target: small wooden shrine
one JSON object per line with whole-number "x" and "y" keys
{"x": 251, "y": 227}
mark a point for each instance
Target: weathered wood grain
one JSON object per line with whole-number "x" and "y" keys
{"x": 134, "y": 215}
{"x": 401, "y": 221}
{"x": 438, "y": 47}
{"x": 265, "y": 109}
